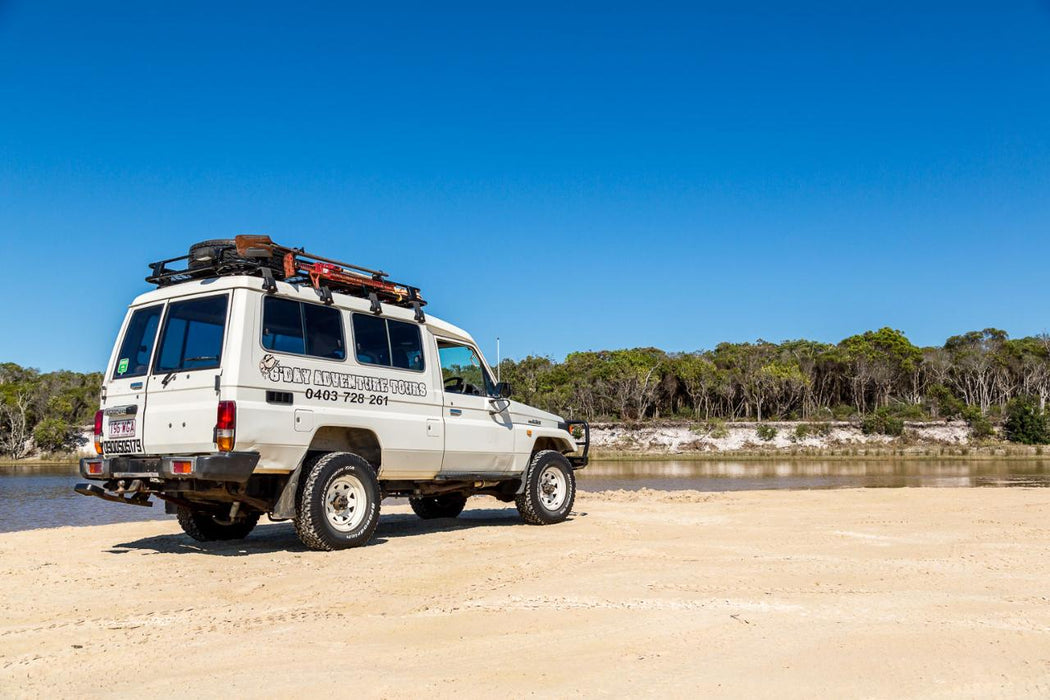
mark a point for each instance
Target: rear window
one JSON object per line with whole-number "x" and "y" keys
{"x": 380, "y": 341}
{"x": 192, "y": 335}
{"x": 137, "y": 346}
{"x": 302, "y": 329}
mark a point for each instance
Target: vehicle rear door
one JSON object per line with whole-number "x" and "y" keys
{"x": 126, "y": 388}
{"x": 184, "y": 381}
{"x": 479, "y": 437}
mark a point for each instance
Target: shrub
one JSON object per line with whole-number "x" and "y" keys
{"x": 882, "y": 422}
{"x": 948, "y": 404}
{"x": 766, "y": 432}
{"x": 1025, "y": 423}
{"x": 53, "y": 435}
{"x": 717, "y": 429}
{"x": 908, "y": 411}
{"x": 980, "y": 426}
{"x": 802, "y": 431}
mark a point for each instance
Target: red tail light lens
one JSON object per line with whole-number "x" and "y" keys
{"x": 225, "y": 425}
{"x": 98, "y": 432}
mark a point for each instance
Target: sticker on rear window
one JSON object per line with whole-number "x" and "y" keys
{"x": 122, "y": 366}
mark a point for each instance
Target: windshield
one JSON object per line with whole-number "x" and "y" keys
{"x": 192, "y": 335}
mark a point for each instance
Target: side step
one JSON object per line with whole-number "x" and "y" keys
{"x": 139, "y": 499}
{"x": 476, "y": 476}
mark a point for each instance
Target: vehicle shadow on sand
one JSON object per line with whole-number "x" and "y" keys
{"x": 280, "y": 537}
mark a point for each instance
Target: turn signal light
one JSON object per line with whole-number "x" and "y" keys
{"x": 98, "y": 434}
{"x": 182, "y": 466}
{"x": 226, "y": 426}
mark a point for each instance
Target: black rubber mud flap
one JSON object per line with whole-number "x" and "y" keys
{"x": 284, "y": 509}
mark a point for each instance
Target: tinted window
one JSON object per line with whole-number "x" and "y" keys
{"x": 324, "y": 332}
{"x": 282, "y": 326}
{"x": 370, "y": 341}
{"x": 406, "y": 346}
{"x": 303, "y": 329}
{"x": 133, "y": 358}
{"x": 192, "y": 335}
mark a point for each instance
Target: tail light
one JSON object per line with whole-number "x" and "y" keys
{"x": 98, "y": 432}
{"x": 226, "y": 426}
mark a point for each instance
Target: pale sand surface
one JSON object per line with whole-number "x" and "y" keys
{"x": 885, "y": 593}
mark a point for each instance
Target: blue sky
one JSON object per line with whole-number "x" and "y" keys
{"x": 613, "y": 175}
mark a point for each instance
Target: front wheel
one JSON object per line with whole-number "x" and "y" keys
{"x": 338, "y": 504}
{"x": 549, "y": 491}
{"x": 203, "y": 527}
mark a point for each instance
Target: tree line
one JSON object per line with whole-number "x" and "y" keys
{"x": 973, "y": 376}
{"x": 44, "y": 410}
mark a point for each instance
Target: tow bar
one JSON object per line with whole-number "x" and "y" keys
{"x": 140, "y": 498}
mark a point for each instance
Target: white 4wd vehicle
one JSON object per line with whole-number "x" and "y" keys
{"x": 262, "y": 379}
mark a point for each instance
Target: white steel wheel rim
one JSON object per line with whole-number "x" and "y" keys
{"x": 554, "y": 487}
{"x": 345, "y": 502}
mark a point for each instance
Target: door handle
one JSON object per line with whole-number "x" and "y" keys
{"x": 455, "y": 412}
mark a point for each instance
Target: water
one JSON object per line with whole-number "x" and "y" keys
{"x": 42, "y": 495}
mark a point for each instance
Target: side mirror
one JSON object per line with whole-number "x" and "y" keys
{"x": 503, "y": 390}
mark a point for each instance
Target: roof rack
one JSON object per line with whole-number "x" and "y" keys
{"x": 260, "y": 256}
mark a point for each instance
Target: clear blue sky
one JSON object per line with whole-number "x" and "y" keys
{"x": 613, "y": 175}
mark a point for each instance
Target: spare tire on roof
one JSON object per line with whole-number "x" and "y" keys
{"x": 222, "y": 253}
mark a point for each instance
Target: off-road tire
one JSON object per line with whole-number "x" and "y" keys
{"x": 531, "y": 501}
{"x": 312, "y": 523}
{"x": 447, "y": 505}
{"x": 202, "y": 526}
{"x": 226, "y": 254}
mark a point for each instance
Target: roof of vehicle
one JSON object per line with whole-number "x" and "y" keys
{"x": 297, "y": 291}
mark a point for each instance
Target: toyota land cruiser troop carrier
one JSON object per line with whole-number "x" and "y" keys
{"x": 263, "y": 379}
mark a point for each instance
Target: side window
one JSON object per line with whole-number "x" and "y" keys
{"x": 406, "y": 345}
{"x": 387, "y": 343}
{"x": 324, "y": 332}
{"x": 302, "y": 329}
{"x": 282, "y": 326}
{"x": 192, "y": 335}
{"x": 370, "y": 341}
{"x": 137, "y": 346}
{"x": 462, "y": 371}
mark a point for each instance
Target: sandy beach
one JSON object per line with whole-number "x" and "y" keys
{"x": 878, "y": 592}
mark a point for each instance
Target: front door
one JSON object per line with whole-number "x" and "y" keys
{"x": 479, "y": 438}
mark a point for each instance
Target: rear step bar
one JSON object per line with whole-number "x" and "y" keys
{"x": 141, "y": 498}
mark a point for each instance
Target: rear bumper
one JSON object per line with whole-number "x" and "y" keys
{"x": 219, "y": 466}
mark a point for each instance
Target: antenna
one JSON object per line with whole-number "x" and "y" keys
{"x": 498, "y": 361}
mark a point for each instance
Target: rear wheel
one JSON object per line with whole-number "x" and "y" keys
{"x": 549, "y": 491}
{"x": 203, "y": 527}
{"x": 338, "y": 504}
{"x": 447, "y": 505}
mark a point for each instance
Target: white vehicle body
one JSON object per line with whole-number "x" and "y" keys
{"x": 295, "y": 397}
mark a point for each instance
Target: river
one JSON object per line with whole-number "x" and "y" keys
{"x": 42, "y": 495}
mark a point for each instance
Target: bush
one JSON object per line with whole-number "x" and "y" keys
{"x": 882, "y": 422}
{"x": 766, "y": 432}
{"x": 980, "y": 426}
{"x": 717, "y": 429}
{"x": 53, "y": 435}
{"x": 1025, "y": 423}
{"x": 948, "y": 404}
{"x": 908, "y": 411}
{"x": 802, "y": 431}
